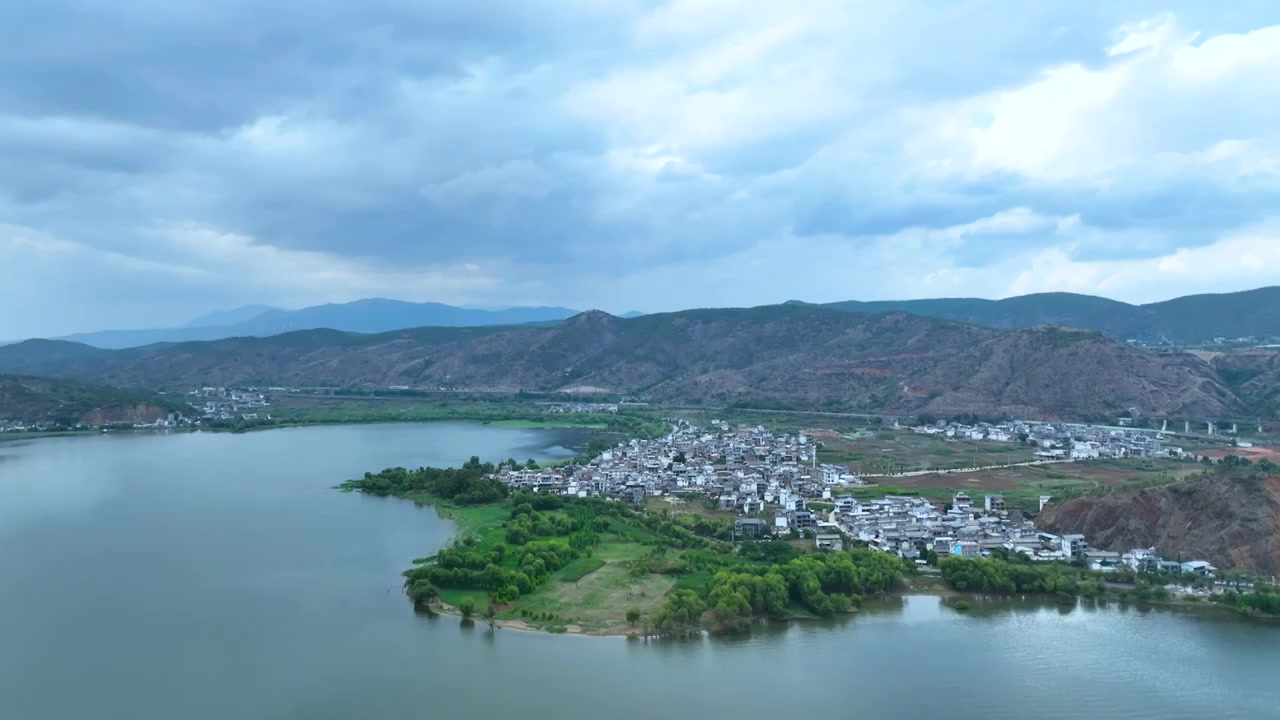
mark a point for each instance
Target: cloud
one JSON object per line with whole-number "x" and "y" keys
{"x": 630, "y": 153}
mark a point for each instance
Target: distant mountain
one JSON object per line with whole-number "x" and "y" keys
{"x": 631, "y": 314}
{"x": 782, "y": 356}
{"x": 1188, "y": 320}
{"x": 222, "y": 318}
{"x": 380, "y": 315}
{"x": 362, "y": 316}
{"x": 32, "y": 400}
{"x": 1191, "y": 319}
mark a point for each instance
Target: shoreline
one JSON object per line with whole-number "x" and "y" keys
{"x": 513, "y": 424}
{"x": 913, "y": 586}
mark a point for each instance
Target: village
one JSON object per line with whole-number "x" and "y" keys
{"x": 774, "y": 487}
{"x": 220, "y": 403}
{"x": 1063, "y": 441}
{"x": 207, "y": 405}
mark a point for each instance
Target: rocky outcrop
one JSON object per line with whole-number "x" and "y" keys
{"x": 138, "y": 413}
{"x": 1233, "y": 521}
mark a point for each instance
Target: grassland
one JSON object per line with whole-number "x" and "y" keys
{"x": 589, "y": 595}
{"x": 595, "y": 601}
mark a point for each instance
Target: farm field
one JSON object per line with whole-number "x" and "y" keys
{"x": 1022, "y": 486}
{"x": 894, "y": 451}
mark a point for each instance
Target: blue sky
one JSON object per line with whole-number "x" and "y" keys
{"x": 159, "y": 159}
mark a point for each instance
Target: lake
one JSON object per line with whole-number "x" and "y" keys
{"x": 205, "y": 575}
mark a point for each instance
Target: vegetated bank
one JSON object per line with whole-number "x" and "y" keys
{"x": 597, "y": 566}
{"x": 1014, "y": 574}
{"x": 522, "y": 415}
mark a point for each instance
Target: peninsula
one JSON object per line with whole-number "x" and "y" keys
{"x": 673, "y": 535}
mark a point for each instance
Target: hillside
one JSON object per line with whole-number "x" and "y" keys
{"x": 32, "y": 400}
{"x": 786, "y": 356}
{"x": 1078, "y": 373}
{"x": 1233, "y": 522}
{"x": 362, "y": 316}
{"x": 1191, "y": 319}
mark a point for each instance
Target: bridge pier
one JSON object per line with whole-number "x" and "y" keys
{"x": 1186, "y": 427}
{"x": 1211, "y": 428}
{"x": 1235, "y": 428}
{"x": 1164, "y": 426}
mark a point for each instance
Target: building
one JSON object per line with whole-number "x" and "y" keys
{"x": 993, "y": 503}
{"x": 830, "y": 542}
{"x": 803, "y": 520}
{"x": 1199, "y": 567}
{"x": 748, "y": 527}
{"x": 1073, "y": 545}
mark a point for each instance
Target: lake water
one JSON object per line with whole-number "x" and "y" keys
{"x": 218, "y": 576}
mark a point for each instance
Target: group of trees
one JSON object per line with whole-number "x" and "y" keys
{"x": 993, "y": 575}
{"x": 1261, "y": 602}
{"x": 1235, "y": 462}
{"x": 533, "y": 549}
{"x": 465, "y": 569}
{"x": 526, "y": 523}
{"x": 680, "y": 613}
{"x": 824, "y": 583}
{"x": 467, "y": 485}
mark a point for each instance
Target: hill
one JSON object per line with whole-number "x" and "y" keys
{"x": 361, "y": 316}
{"x": 1231, "y": 520}
{"x": 784, "y": 356}
{"x": 31, "y": 400}
{"x": 1185, "y": 320}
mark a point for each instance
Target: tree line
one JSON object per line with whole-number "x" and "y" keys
{"x": 467, "y": 485}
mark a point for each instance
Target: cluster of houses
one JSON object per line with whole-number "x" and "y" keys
{"x": 776, "y": 487}
{"x": 23, "y": 426}
{"x": 582, "y": 408}
{"x": 1063, "y": 441}
{"x": 744, "y": 470}
{"x": 220, "y": 403}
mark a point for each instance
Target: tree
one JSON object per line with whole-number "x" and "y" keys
{"x": 467, "y": 606}
{"x": 532, "y": 464}
{"x": 423, "y": 593}
{"x": 633, "y": 615}
{"x": 491, "y": 614}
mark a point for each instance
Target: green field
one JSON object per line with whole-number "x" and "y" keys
{"x": 297, "y": 410}
{"x": 597, "y": 600}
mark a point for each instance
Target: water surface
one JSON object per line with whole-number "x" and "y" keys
{"x": 218, "y": 576}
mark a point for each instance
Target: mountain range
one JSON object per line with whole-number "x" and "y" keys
{"x": 1184, "y": 320}
{"x": 363, "y": 316}
{"x": 1195, "y": 319}
{"x": 789, "y": 356}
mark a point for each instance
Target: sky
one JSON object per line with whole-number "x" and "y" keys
{"x": 161, "y": 159}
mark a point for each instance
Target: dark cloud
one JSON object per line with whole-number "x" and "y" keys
{"x": 178, "y": 147}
